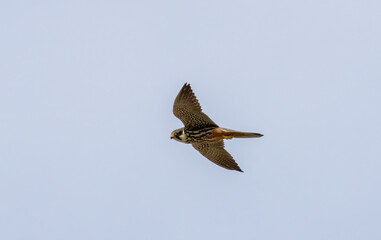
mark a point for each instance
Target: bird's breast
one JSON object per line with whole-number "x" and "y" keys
{"x": 202, "y": 135}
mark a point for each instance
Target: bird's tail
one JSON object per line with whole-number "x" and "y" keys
{"x": 229, "y": 134}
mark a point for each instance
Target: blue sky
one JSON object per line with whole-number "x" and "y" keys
{"x": 86, "y": 94}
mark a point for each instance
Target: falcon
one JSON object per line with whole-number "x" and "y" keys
{"x": 204, "y": 134}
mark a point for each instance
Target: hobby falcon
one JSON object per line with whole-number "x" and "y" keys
{"x": 204, "y": 135}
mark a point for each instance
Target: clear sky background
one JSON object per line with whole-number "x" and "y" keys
{"x": 86, "y": 94}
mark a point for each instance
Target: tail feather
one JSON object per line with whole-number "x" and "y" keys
{"x": 236, "y": 134}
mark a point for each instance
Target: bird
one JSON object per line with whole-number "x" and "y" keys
{"x": 203, "y": 133}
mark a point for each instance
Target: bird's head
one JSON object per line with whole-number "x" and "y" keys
{"x": 178, "y": 135}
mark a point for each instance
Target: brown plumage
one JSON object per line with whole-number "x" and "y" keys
{"x": 187, "y": 108}
{"x": 204, "y": 134}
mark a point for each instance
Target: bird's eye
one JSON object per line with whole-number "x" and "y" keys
{"x": 178, "y": 135}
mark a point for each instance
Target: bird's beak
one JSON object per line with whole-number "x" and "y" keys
{"x": 172, "y": 136}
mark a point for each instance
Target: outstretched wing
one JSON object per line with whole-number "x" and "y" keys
{"x": 188, "y": 110}
{"x": 215, "y": 152}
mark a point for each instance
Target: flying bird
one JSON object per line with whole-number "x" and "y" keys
{"x": 204, "y": 134}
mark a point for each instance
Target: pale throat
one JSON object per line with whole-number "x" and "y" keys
{"x": 182, "y": 136}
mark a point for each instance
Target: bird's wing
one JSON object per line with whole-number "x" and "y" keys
{"x": 188, "y": 110}
{"x": 215, "y": 152}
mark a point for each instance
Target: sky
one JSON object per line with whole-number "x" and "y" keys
{"x": 86, "y": 94}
